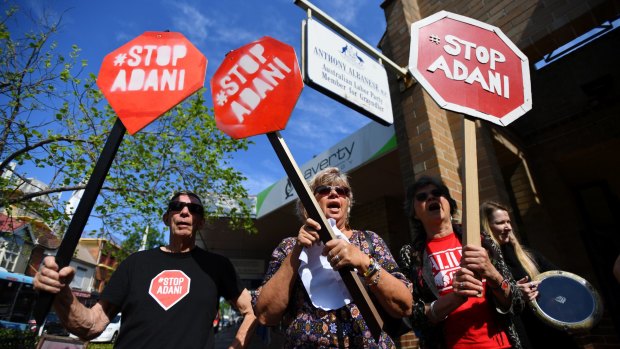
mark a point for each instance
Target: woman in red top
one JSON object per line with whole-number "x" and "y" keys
{"x": 464, "y": 295}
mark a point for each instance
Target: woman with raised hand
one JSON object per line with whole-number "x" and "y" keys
{"x": 303, "y": 290}
{"x": 464, "y": 295}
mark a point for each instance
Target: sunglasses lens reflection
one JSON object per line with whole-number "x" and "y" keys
{"x": 326, "y": 189}
{"x": 178, "y": 206}
{"x": 423, "y": 196}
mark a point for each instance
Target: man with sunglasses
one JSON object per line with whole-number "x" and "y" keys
{"x": 464, "y": 296}
{"x": 168, "y": 296}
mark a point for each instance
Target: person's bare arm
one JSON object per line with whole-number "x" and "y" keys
{"x": 244, "y": 305}
{"x": 275, "y": 294}
{"x": 86, "y": 323}
{"x": 439, "y": 309}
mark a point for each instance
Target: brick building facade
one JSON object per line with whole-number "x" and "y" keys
{"x": 557, "y": 165}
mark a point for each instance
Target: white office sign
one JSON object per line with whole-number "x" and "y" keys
{"x": 368, "y": 143}
{"x": 340, "y": 70}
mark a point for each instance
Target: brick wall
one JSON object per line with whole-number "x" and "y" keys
{"x": 407, "y": 341}
{"x": 490, "y": 178}
{"x": 385, "y": 217}
{"x": 535, "y": 174}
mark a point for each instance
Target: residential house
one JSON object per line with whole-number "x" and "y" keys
{"x": 23, "y": 243}
{"x": 94, "y": 264}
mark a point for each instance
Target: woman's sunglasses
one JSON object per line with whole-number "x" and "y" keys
{"x": 192, "y": 207}
{"x": 327, "y": 189}
{"x": 424, "y": 195}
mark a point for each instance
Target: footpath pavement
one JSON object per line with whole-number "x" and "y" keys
{"x": 259, "y": 340}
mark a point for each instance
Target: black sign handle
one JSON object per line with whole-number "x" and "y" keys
{"x": 354, "y": 285}
{"x": 78, "y": 221}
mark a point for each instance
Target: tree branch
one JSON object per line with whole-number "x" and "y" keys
{"x": 28, "y": 148}
{"x": 64, "y": 189}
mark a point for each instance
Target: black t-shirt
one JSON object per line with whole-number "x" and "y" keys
{"x": 169, "y": 300}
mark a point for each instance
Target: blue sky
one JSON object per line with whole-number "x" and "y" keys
{"x": 216, "y": 27}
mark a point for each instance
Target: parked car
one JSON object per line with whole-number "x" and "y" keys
{"x": 226, "y": 321}
{"x": 110, "y": 333}
{"x": 53, "y": 326}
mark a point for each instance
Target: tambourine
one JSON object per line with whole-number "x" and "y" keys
{"x": 567, "y": 301}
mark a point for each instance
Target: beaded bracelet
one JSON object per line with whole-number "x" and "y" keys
{"x": 375, "y": 280}
{"x": 372, "y": 268}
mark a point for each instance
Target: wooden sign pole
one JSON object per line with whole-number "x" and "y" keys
{"x": 349, "y": 276}
{"x": 471, "y": 205}
{"x": 78, "y": 222}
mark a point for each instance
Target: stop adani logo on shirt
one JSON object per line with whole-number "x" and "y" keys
{"x": 169, "y": 287}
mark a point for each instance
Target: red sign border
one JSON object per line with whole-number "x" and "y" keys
{"x": 189, "y": 281}
{"x": 525, "y": 68}
{"x": 274, "y": 124}
{"x": 117, "y": 99}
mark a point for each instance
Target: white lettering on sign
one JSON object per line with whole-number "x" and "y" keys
{"x": 169, "y": 290}
{"x": 170, "y": 285}
{"x": 249, "y": 94}
{"x": 150, "y": 69}
{"x": 492, "y": 81}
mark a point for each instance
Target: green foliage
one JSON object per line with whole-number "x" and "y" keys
{"x": 54, "y": 118}
{"x": 225, "y": 307}
{"x": 100, "y": 345}
{"x": 15, "y": 339}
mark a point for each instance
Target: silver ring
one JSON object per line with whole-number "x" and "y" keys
{"x": 336, "y": 259}
{"x": 461, "y": 285}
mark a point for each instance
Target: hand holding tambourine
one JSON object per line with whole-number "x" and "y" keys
{"x": 565, "y": 301}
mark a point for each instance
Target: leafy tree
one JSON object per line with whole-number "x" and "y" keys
{"x": 56, "y": 119}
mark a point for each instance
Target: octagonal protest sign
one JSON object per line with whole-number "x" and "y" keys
{"x": 169, "y": 287}
{"x": 149, "y": 75}
{"x": 470, "y": 67}
{"x": 256, "y": 88}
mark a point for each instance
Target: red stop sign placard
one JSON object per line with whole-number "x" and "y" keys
{"x": 149, "y": 75}
{"x": 470, "y": 67}
{"x": 256, "y": 88}
{"x": 169, "y": 287}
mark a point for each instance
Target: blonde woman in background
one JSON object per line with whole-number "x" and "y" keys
{"x": 524, "y": 264}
